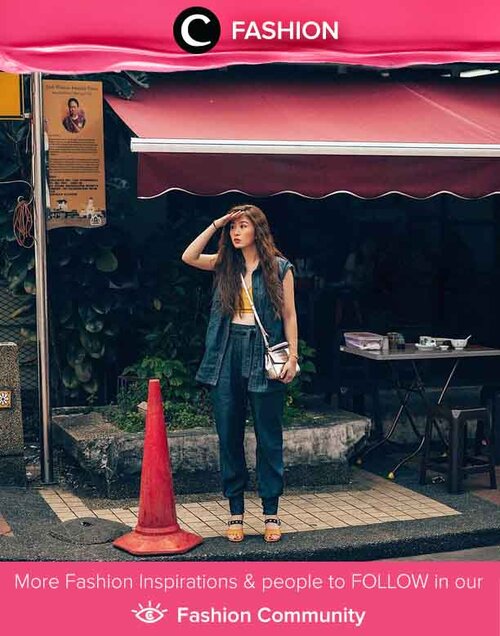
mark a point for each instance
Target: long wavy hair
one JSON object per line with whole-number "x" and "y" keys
{"x": 231, "y": 263}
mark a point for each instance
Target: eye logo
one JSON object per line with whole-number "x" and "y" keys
{"x": 150, "y": 614}
{"x": 196, "y": 30}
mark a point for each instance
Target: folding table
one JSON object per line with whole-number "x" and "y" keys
{"x": 413, "y": 355}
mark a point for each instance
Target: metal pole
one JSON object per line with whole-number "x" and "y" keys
{"x": 42, "y": 313}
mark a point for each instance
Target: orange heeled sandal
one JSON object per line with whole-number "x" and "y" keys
{"x": 234, "y": 532}
{"x": 272, "y": 534}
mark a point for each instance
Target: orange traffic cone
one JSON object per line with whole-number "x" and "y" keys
{"x": 157, "y": 531}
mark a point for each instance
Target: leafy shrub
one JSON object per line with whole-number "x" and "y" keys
{"x": 296, "y": 390}
{"x": 177, "y": 383}
{"x": 187, "y": 405}
{"x": 178, "y": 415}
{"x": 91, "y": 274}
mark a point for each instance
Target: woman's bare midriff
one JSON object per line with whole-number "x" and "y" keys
{"x": 244, "y": 319}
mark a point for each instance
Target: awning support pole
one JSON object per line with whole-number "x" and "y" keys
{"x": 42, "y": 313}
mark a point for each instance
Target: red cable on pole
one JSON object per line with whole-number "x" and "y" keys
{"x": 23, "y": 224}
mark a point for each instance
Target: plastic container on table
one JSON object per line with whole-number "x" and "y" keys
{"x": 364, "y": 340}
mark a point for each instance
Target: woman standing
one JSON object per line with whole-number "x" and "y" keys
{"x": 233, "y": 363}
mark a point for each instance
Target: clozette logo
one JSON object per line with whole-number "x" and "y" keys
{"x": 150, "y": 614}
{"x": 196, "y": 30}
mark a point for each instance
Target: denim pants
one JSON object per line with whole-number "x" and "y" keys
{"x": 229, "y": 399}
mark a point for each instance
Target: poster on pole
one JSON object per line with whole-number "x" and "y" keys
{"x": 74, "y": 145}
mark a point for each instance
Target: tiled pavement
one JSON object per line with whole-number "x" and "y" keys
{"x": 374, "y": 501}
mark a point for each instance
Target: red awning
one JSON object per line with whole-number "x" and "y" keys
{"x": 315, "y": 135}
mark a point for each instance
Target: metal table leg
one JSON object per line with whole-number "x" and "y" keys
{"x": 371, "y": 380}
{"x": 415, "y": 387}
{"x": 426, "y": 402}
{"x": 403, "y": 399}
{"x": 450, "y": 377}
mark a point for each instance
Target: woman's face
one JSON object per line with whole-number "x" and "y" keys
{"x": 242, "y": 232}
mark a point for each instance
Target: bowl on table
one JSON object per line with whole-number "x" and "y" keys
{"x": 459, "y": 343}
{"x": 425, "y": 347}
{"x": 427, "y": 342}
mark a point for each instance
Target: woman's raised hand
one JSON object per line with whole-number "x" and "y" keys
{"x": 227, "y": 218}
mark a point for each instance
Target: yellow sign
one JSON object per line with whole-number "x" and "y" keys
{"x": 11, "y": 96}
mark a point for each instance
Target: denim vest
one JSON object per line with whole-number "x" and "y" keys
{"x": 218, "y": 334}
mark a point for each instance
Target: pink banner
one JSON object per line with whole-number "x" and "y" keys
{"x": 56, "y": 37}
{"x": 217, "y": 598}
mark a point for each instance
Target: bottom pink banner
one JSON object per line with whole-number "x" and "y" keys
{"x": 372, "y": 598}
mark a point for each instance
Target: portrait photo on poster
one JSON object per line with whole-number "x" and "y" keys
{"x": 74, "y": 119}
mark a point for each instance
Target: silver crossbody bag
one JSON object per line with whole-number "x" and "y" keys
{"x": 274, "y": 357}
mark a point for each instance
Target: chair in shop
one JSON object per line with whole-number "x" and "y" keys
{"x": 463, "y": 456}
{"x": 490, "y": 398}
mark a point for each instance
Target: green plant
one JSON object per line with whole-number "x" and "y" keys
{"x": 92, "y": 274}
{"x": 188, "y": 406}
{"x": 176, "y": 381}
{"x": 93, "y": 287}
{"x": 16, "y": 263}
{"x": 175, "y": 296}
{"x": 296, "y": 390}
{"x": 186, "y": 415}
{"x": 179, "y": 415}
